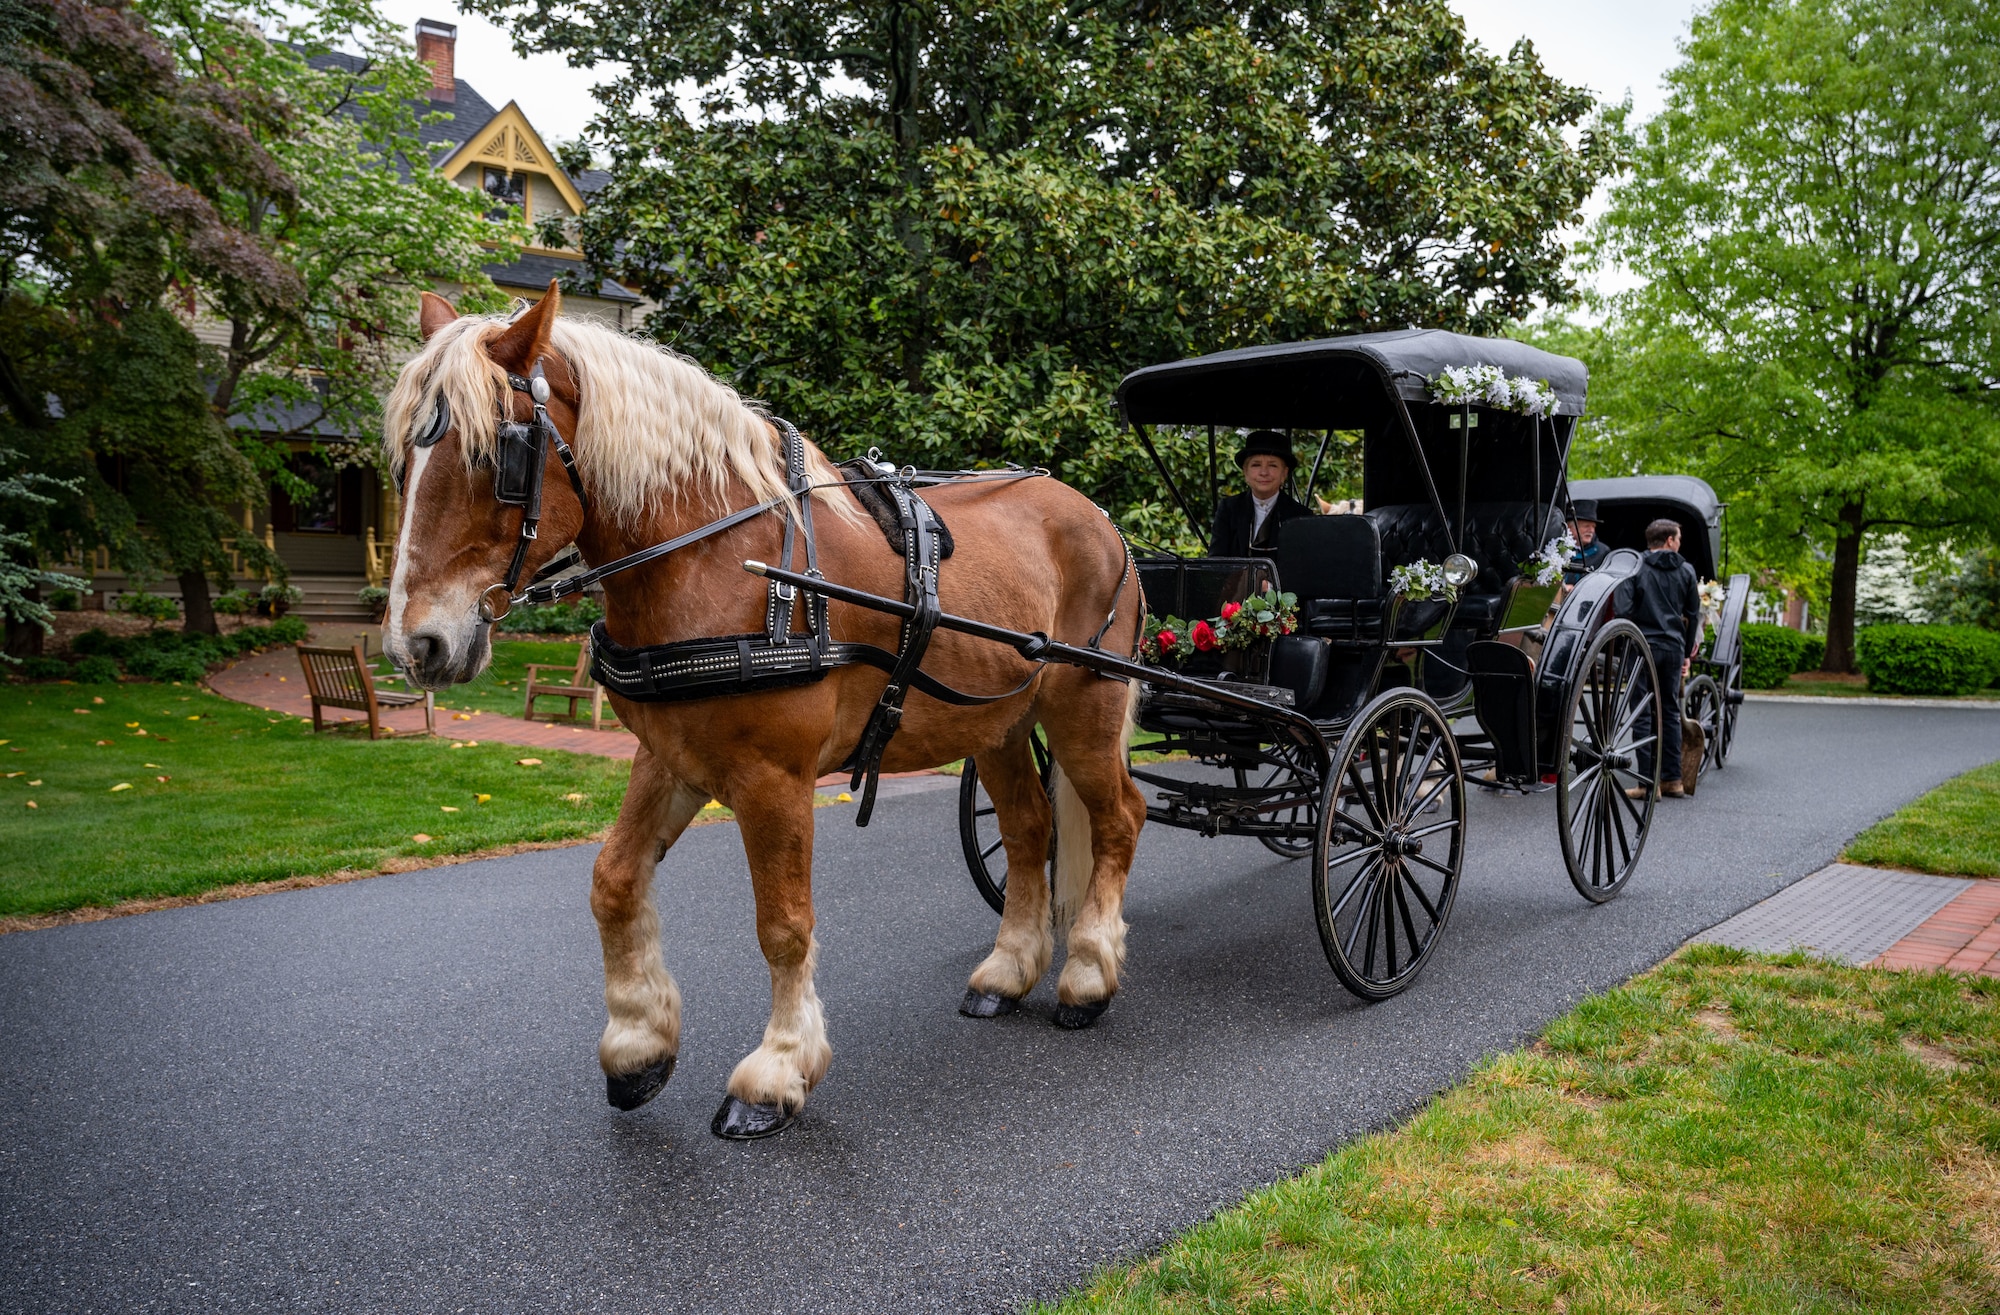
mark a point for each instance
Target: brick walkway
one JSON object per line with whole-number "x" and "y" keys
{"x": 272, "y": 680}
{"x": 1963, "y": 936}
{"x": 1876, "y": 917}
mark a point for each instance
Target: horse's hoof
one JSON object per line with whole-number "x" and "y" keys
{"x": 739, "y": 1120}
{"x": 628, "y": 1091}
{"x": 985, "y": 1004}
{"x": 1077, "y": 1017}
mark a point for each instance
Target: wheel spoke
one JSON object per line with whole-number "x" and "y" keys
{"x": 1416, "y": 888}
{"x": 1365, "y": 913}
{"x": 988, "y": 852}
{"x": 1438, "y": 868}
{"x": 1360, "y": 879}
{"x": 1416, "y": 780}
{"x": 1367, "y": 802}
{"x": 1432, "y": 829}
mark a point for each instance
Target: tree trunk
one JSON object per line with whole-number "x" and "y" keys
{"x": 24, "y": 638}
{"x": 1846, "y": 575}
{"x": 198, "y": 617}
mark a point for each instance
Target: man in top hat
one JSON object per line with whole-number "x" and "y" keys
{"x": 1590, "y": 550}
{"x": 1246, "y": 523}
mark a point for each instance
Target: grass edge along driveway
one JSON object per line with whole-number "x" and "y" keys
{"x": 216, "y": 793}
{"x": 1726, "y": 1132}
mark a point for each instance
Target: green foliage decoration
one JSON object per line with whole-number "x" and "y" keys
{"x": 1908, "y": 659}
{"x": 948, "y": 230}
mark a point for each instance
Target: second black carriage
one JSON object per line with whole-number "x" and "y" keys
{"x": 1350, "y": 741}
{"x": 1625, "y": 506}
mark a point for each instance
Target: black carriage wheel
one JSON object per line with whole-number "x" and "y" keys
{"x": 1704, "y": 709}
{"x": 1603, "y": 830}
{"x": 979, "y": 828}
{"x": 1280, "y": 776}
{"x": 1732, "y": 696}
{"x": 1391, "y": 844}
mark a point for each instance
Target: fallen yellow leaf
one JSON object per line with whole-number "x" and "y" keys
{"x": 130, "y": 724}
{"x": 122, "y": 785}
{"x": 102, "y": 743}
{"x": 457, "y": 745}
{"x": 196, "y": 717}
{"x": 163, "y": 779}
{"x": 12, "y": 775}
{"x": 461, "y": 716}
{"x": 34, "y": 783}
{"x": 149, "y": 765}
{"x": 447, "y": 808}
{"x": 573, "y": 798}
{"x": 97, "y": 698}
{"x": 140, "y": 731}
{"x": 85, "y": 712}
{"x": 844, "y": 797}
{"x": 419, "y": 837}
{"x": 33, "y": 804}
{"x": 282, "y": 678}
{"x": 529, "y": 762}
{"x": 481, "y": 798}
{"x": 472, "y": 744}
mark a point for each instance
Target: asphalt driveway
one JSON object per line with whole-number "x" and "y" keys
{"x": 383, "y": 1096}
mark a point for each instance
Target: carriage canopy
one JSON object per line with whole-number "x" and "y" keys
{"x": 1416, "y": 451}
{"x": 1626, "y": 505}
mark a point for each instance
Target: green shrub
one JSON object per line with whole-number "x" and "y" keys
{"x": 1904, "y": 659}
{"x": 94, "y": 642}
{"x": 45, "y": 668}
{"x": 177, "y": 655}
{"x": 1771, "y": 654}
{"x": 235, "y": 603}
{"x": 289, "y": 594}
{"x": 96, "y": 671}
{"x": 65, "y": 600}
{"x": 1814, "y": 655}
{"x": 151, "y": 606}
{"x": 372, "y": 595}
{"x": 555, "y": 619}
{"x": 165, "y": 664}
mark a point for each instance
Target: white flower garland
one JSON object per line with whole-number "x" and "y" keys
{"x": 1488, "y": 385}
{"x": 1547, "y": 566}
{"x": 1421, "y": 579}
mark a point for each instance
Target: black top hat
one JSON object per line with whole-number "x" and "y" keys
{"x": 1267, "y": 443}
{"x": 1585, "y": 509}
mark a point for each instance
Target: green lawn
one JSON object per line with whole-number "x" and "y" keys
{"x": 1725, "y": 1133}
{"x": 1955, "y": 829}
{"x": 249, "y": 795}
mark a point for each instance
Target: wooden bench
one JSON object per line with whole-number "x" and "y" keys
{"x": 577, "y": 687}
{"x": 342, "y": 678}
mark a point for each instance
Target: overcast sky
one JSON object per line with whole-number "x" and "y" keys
{"x": 1610, "y": 46}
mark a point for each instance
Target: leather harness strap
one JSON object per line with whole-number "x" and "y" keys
{"x": 920, "y": 572}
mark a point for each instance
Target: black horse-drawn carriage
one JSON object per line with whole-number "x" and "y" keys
{"x": 1625, "y": 506}
{"x": 1350, "y": 740}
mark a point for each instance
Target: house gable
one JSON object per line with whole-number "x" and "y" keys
{"x": 508, "y": 141}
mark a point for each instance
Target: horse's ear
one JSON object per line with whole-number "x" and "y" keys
{"x": 527, "y": 337}
{"x": 433, "y": 313}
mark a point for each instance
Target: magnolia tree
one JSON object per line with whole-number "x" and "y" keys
{"x": 948, "y": 229}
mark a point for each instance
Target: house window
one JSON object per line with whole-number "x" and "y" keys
{"x": 509, "y": 190}
{"x": 330, "y": 503}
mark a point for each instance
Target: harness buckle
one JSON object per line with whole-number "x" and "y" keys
{"x": 485, "y": 607}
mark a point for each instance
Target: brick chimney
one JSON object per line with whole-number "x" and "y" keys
{"x": 435, "y": 44}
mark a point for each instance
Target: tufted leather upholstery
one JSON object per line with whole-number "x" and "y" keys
{"x": 1496, "y": 537}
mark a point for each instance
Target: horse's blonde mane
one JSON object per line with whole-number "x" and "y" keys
{"x": 651, "y": 424}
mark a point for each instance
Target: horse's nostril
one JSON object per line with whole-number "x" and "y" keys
{"x": 425, "y": 650}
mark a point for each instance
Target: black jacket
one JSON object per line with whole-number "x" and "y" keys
{"x": 1233, "y": 517}
{"x": 1664, "y": 598}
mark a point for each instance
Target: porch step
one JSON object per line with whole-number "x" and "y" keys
{"x": 330, "y": 598}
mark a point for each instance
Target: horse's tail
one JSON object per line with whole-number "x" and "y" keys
{"x": 1074, "y": 856}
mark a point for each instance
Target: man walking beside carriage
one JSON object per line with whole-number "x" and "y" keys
{"x": 1663, "y": 598}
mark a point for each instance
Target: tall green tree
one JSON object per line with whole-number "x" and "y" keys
{"x": 1815, "y": 216}
{"x": 100, "y": 222}
{"x": 948, "y": 228}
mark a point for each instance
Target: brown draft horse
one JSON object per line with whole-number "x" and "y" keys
{"x": 663, "y": 448}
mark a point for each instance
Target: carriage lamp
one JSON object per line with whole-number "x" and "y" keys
{"x": 1460, "y": 570}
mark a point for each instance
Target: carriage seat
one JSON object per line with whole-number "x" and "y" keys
{"x": 1333, "y": 564}
{"x": 1496, "y": 537}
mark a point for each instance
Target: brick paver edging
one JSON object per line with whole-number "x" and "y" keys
{"x": 1961, "y": 937}
{"x": 1876, "y": 917}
